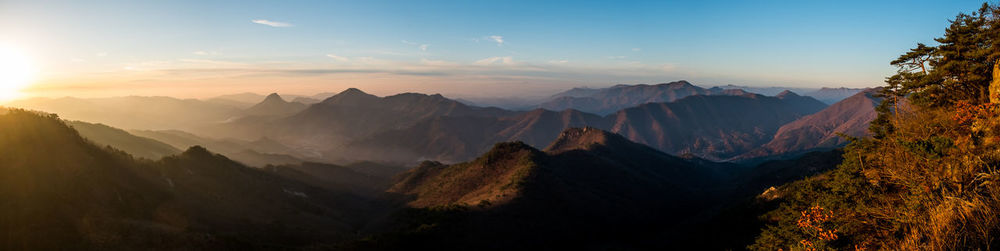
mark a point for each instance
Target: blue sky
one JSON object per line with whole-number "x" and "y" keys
{"x": 471, "y": 48}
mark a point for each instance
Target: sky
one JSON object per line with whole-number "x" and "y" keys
{"x": 460, "y": 48}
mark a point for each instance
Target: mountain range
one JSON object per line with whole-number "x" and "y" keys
{"x": 612, "y": 99}
{"x": 586, "y": 182}
{"x": 678, "y": 118}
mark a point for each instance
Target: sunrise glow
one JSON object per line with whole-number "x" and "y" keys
{"x": 17, "y": 71}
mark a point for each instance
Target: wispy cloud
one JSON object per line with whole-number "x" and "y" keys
{"x": 423, "y": 47}
{"x": 206, "y": 53}
{"x": 497, "y": 38}
{"x": 338, "y": 58}
{"x": 636, "y": 49}
{"x": 271, "y": 23}
{"x": 429, "y": 62}
{"x": 558, "y": 61}
{"x": 508, "y": 60}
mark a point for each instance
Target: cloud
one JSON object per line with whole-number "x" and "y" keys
{"x": 636, "y": 49}
{"x": 508, "y": 60}
{"x": 271, "y": 23}
{"x": 102, "y": 54}
{"x": 558, "y": 61}
{"x": 496, "y": 38}
{"x": 428, "y": 62}
{"x": 423, "y": 47}
{"x": 338, "y": 58}
{"x": 206, "y": 53}
{"x": 616, "y": 57}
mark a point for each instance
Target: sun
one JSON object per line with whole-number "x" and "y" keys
{"x": 17, "y": 71}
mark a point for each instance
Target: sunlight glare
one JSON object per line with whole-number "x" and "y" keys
{"x": 17, "y": 71}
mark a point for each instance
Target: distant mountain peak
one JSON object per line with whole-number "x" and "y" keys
{"x": 196, "y": 151}
{"x": 678, "y": 84}
{"x": 734, "y": 92}
{"x": 353, "y": 91}
{"x": 274, "y": 105}
{"x": 583, "y": 138}
{"x": 787, "y": 93}
{"x": 681, "y": 82}
{"x": 350, "y": 95}
{"x": 274, "y": 97}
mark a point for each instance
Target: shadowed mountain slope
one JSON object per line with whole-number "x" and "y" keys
{"x": 141, "y": 147}
{"x": 711, "y": 127}
{"x": 59, "y": 191}
{"x": 586, "y": 183}
{"x": 589, "y": 154}
{"x": 850, "y": 116}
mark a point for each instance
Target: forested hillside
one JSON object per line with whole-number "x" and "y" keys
{"x": 59, "y": 191}
{"x": 928, "y": 178}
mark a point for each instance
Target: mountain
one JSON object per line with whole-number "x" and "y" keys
{"x": 461, "y": 138}
{"x": 135, "y": 112}
{"x": 767, "y": 91}
{"x": 352, "y": 114}
{"x": 804, "y": 105}
{"x": 711, "y": 127}
{"x": 274, "y": 105}
{"x": 62, "y": 192}
{"x": 119, "y": 139}
{"x": 850, "y": 116}
{"x": 609, "y": 100}
{"x": 578, "y": 92}
{"x": 833, "y": 95}
{"x": 509, "y": 169}
{"x": 589, "y": 186}
{"x": 369, "y": 113}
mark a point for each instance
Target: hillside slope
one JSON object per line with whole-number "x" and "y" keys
{"x": 62, "y": 192}
{"x": 587, "y": 182}
{"x": 819, "y": 131}
{"x": 711, "y": 127}
{"x": 141, "y": 147}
